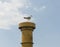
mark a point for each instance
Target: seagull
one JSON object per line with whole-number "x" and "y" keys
{"x": 28, "y": 18}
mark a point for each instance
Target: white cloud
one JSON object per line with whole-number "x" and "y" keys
{"x": 9, "y": 13}
{"x": 37, "y": 9}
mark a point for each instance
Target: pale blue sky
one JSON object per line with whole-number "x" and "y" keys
{"x": 47, "y": 32}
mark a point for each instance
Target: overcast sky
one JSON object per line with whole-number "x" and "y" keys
{"x": 45, "y": 14}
